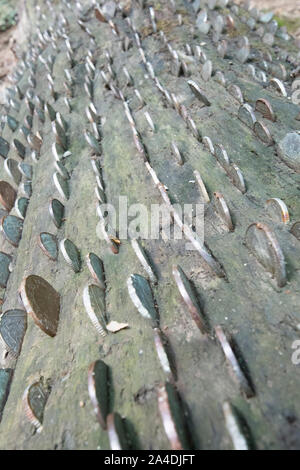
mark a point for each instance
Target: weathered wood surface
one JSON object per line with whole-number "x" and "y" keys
{"x": 261, "y": 318}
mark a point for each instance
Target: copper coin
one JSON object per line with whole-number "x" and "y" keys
{"x": 42, "y": 302}
{"x": 7, "y": 195}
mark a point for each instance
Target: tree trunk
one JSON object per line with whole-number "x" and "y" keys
{"x": 245, "y": 281}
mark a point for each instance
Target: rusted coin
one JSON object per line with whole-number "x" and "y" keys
{"x": 236, "y": 370}
{"x": 94, "y": 303}
{"x": 98, "y": 386}
{"x": 34, "y": 399}
{"x": 7, "y": 195}
{"x": 263, "y": 106}
{"x": 116, "y": 432}
{"x": 262, "y": 242}
{"x": 172, "y": 417}
{"x": 188, "y": 295}
{"x": 141, "y": 295}
{"x": 223, "y": 210}
{"x": 12, "y": 227}
{"x": 71, "y": 254}
{"x": 13, "y": 326}
{"x": 48, "y": 243}
{"x": 96, "y": 268}
{"x": 42, "y": 302}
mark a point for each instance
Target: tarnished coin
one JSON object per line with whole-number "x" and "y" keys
{"x": 203, "y": 191}
{"x": 141, "y": 295}
{"x": 236, "y": 92}
{"x": 20, "y": 148}
{"x": 140, "y": 253}
{"x": 26, "y": 188}
{"x": 34, "y": 399}
{"x": 94, "y": 303}
{"x": 7, "y": 195}
{"x": 198, "y": 92}
{"x": 278, "y": 86}
{"x": 289, "y": 150}
{"x": 234, "y": 428}
{"x": 207, "y": 142}
{"x": 12, "y": 123}
{"x": 93, "y": 142}
{"x": 162, "y": 354}
{"x": 13, "y": 324}
{"x": 5, "y": 261}
{"x": 35, "y": 142}
{"x": 172, "y": 417}
{"x": 262, "y": 242}
{"x": 263, "y": 133}
{"x": 188, "y": 294}
{"x": 236, "y": 370}
{"x": 42, "y": 302}
{"x": 222, "y": 156}
{"x": 220, "y": 78}
{"x": 12, "y": 227}
{"x": 223, "y": 210}
{"x": 116, "y": 432}
{"x": 207, "y": 70}
{"x": 48, "y": 243}
{"x": 12, "y": 169}
{"x": 236, "y": 177}
{"x": 57, "y": 210}
{"x": 96, "y": 268}
{"x": 6, "y": 376}
{"x": 98, "y": 386}
{"x": 26, "y": 170}
{"x": 61, "y": 169}
{"x": 4, "y": 147}
{"x": 246, "y": 115}
{"x": 21, "y": 205}
{"x": 60, "y": 135}
{"x": 71, "y": 254}
{"x": 295, "y": 230}
{"x": 263, "y": 106}
{"x": 62, "y": 186}
{"x": 278, "y": 210}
